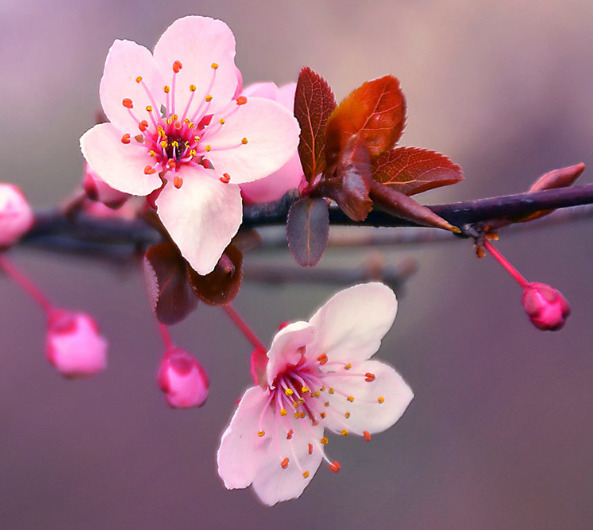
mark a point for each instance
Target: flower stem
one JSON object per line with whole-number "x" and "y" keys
{"x": 506, "y": 264}
{"x": 166, "y": 336}
{"x": 24, "y": 282}
{"x": 244, "y": 328}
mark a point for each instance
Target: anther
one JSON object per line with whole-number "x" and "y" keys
{"x": 167, "y": 89}
{"x": 380, "y": 399}
{"x": 288, "y": 392}
{"x": 125, "y": 139}
{"x": 310, "y": 449}
{"x": 171, "y": 163}
{"x": 244, "y": 141}
{"x": 226, "y": 178}
{"x": 305, "y": 389}
{"x": 208, "y": 147}
{"x": 322, "y": 359}
{"x": 284, "y": 463}
{"x": 350, "y": 398}
{"x": 367, "y": 436}
{"x": 139, "y": 79}
{"x": 174, "y": 117}
{"x": 347, "y": 415}
{"x": 369, "y": 377}
{"x": 348, "y": 366}
{"x": 289, "y": 434}
{"x": 143, "y": 125}
{"x": 214, "y": 66}
{"x": 260, "y": 433}
{"x": 169, "y": 121}
{"x": 331, "y": 390}
{"x": 149, "y": 108}
{"x": 164, "y": 144}
{"x": 148, "y": 170}
{"x": 326, "y": 404}
{"x": 192, "y": 152}
{"x": 127, "y": 102}
{"x": 177, "y": 66}
{"x": 322, "y": 415}
{"x": 177, "y": 182}
{"x": 306, "y": 474}
{"x": 344, "y": 432}
{"x": 139, "y": 138}
{"x": 192, "y": 88}
{"x": 241, "y": 100}
{"x": 335, "y": 467}
{"x": 152, "y": 153}
{"x": 324, "y": 441}
{"x": 208, "y": 98}
{"x": 283, "y": 412}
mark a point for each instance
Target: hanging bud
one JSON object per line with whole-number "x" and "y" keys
{"x": 182, "y": 379}
{"x": 74, "y": 345}
{"x": 545, "y": 306}
{"x": 16, "y": 217}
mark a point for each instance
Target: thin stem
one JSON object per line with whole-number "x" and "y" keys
{"x": 506, "y": 264}
{"x": 166, "y": 336}
{"x": 244, "y": 328}
{"x": 26, "y": 284}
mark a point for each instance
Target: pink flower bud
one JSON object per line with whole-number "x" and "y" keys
{"x": 545, "y": 306}
{"x": 74, "y": 345}
{"x": 97, "y": 189}
{"x": 16, "y": 217}
{"x": 182, "y": 379}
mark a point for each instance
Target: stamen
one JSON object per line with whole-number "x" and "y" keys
{"x": 208, "y": 98}
{"x": 380, "y": 399}
{"x": 192, "y": 88}
{"x": 241, "y": 100}
{"x": 244, "y": 141}
{"x": 335, "y": 467}
{"x": 324, "y": 440}
{"x": 284, "y": 463}
{"x": 367, "y": 436}
{"x": 344, "y": 432}
{"x": 148, "y": 170}
{"x": 260, "y": 433}
{"x": 167, "y": 89}
{"x": 125, "y": 139}
{"x": 139, "y": 138}
{"x": 305, "y": 389}
{"x": 226, "y": 178}
{"x": 283, "y": 412}
{"x": 177, "y": 66}
{"x": 322, "y": 359}
{"x": 369, "y": 377}
{"x": 350, "y": 398}
{"x": 347, "y": 415}
{"x": 306, "y": 474}
{"x": 348, "y": 366}
{"x": 289, "y": 434}
{"x": 143, "y": 125}
{"x": 127, "y": 102}
{"x": 214, "y": 66}
{"x": 222, "y": 121}
{"x": 139, "y": 79}
{"x": 149, "y": 108}
{"x": 208, "y": 148}
{"x": 310, "y": 448}
{"x": 331, "y": 390}
{"x": 323, "y": 415}
{"x": 177, "y": 182}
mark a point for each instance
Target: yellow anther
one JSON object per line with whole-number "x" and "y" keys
{"x": 161, "y": 130}
{"x": 214, "y": 66}
{"x": 186, "y": 121}
{"x": 295, "y": 404}
{"x": 331, "y": 390}
{"x": 164, "y": 144}
{"x": 208, "y": 147}
{"x": 288, "y": 392}
{"x": 323, "y": 415}
{"x": 174, "y": 117}
{"x": 283, "y": 412}
{"x": 149, "y": 108}
{"x": 208, "y": 98}
{"x": 344, "y": 432}
{"x": 244, "y": 141}
{"x": 303, "y": 414}
{"x": 306, "y": 474}
{"x": 347, "y": 415}
{"x": 326, "y": 403}
{"x": 324, "y": 440}
{"x": 191, "y": 125}
{"x": 175, "y": 143}
{"x": 305, "y": 389}
{"x": 152, "y": 153}
{"x": 167, "y": 89}
{"x": 350, "y": 398}
{"x": 192, "y": 88}
{"x": 197, "y": 138}
{"x": 297, "y": 415}
{"x": 192, "y": 152}
{"x": 169, "y": 121}
{"x": 348, "y": 366}
{"x": 260, "y": 433}
{"x": 222, "y": 121}
{"x": 139, "y": 79}
{"x": 380, "y": 399}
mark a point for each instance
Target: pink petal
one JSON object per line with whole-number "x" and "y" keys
{"x": 285, "y": 348}
{"x": 267, "y": 90}
{"x": 352, "y": 323}
{"x": 241, "y": 449}
{"x": 286, "y": 96}
{"x": 197, "y": 43}
{"x": 119, "y": 165}
{"x": 271, "y": 134}
{"x": 126, "y": 61}
{"x": 201, "y": 217}
{"x": 377, "y": 404}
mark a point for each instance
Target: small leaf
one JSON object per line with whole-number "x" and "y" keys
{"x": 166, "y": 277}
{"x": 313, "y": 103}
{"x": 411, "y": 170}
{"x": 307, "y": 230}
{"x": 376, "y": 111}
{"x": 351, "y": 184}
{"x": 405, "y": 207}
{"x": 221, "y": 286}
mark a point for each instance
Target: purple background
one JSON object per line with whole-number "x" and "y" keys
{"x": 500, "y": 433}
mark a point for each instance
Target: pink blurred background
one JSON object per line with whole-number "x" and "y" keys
{"x": 500, "y": 433}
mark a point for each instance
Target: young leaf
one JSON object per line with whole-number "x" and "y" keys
{"x": 313, "y": 103}
{"x": 376, "y": 111}
{"x": 165, "y": 272}
{"x": 221, "y": 286}
{"x": 307, "y": 230}
{"x": 411, "y": 170}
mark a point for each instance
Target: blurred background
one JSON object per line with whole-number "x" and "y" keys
{"x": 501, "y": 429}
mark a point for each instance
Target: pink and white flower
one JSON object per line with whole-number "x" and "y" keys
{"x": 178, "y": 129}
{"x": 318, "y": 376}
{"x": 182, "y": 379}
{"x": 16, "y": 216}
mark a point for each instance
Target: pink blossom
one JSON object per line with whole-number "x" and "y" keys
{"x": 546, "y": 307}
{"x": 74, "y": 345}
{"x": 16, "y": 216}
{"x": 319, "y": 375}
{"x": 175, "y": 129}
{"x": 183, "y": 379}
{"x": 290, "y": 176}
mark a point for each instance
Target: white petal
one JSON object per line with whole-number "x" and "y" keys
{"x": 377, "y": 404}
{"x": 201, "y": 217}
{"x": 285, "y": 348}
{"x": 119, "y": 165}
{"x": 352, "y": 323}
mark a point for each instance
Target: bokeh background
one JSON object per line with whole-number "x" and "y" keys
{"x": 500, "y": 433}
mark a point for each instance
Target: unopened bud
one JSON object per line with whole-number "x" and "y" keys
{"x": 74, "y": 344}
{"x": 16, "y": 217}
{"x": 97, "y": 189}
{"x": 182, "y": 379}
{"x": 545, "y": 306}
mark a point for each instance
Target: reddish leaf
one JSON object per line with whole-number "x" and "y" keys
{"x": 351, "y": 184}
{"x": 376, "y": 111}
{"x": 222, "y": 285}
{"x": 411, "y": 170}
{"x": 313, "y": 103}
{"x": 166, "y": 277}
{"x": 307, "y": 230}
{"x": 405, "y": 207}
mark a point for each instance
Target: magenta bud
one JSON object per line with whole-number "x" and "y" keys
{"x": 74, "y": 344}
{"x": 16, "y": 216}
{"x": 545, "y": 306}
{"x": 182, "y": 379}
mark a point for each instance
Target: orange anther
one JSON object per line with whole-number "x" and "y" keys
{"x": 149, "y": 108}
{"x": 346, "y": 414}
{"x": 139, "y": 79}
{"x": 244, "y": 141}
{"x": 380, "y": 399}
{"x": 167, "y": 89}
{"x": 284, "y": 463}
{"x": 289, "y": 434}
{"x": 226, "y": 178}
{"x": 125, "y": 139}
{"x": 306, "y": 474}
{"x": 348, "y": 366}
{"x": 241, "y": 100}
{"x": 322, "y": 359}
{"x": 214, "y": 66}
{"x": 148, "y": 170}
{"x": 192, "y": 88}
{"x": 127, "y": 102}
{"x": 260, "y": 433}
{"x": 171, "y": 163}
{"x": 369, "y": 377}
{"x": 344, "y": 432}
{"x": 367, "y": 436}
{"x": 177, "y": 66}
{"x": 324, "y": 440}
{"x": 143, "y": 125}
{"x": 350, "y": 398}
{"x": 208, "y": 98}
{"x": 310, "y": 449}
{"x": 335, "y": 467}
{"x": 177, "y": 182}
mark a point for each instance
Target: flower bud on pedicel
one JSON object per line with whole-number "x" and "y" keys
{"x": 182, "y": 379}
{"x": 16, "y": 217}
{"x": 74, "y": 345}
{"x": 545, "y": 306}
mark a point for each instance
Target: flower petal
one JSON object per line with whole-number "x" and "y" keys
{"x": 198, "y": 43}
{"x": 352, "y": 323}
{"x": 256, "y": 139}
{"x": 376, "y": 404}
{"x": 119, "y": 165}
{"x": 125, "y": 62}
{"x": 285, "y": 348}
{"x": 201, "y": 217}
{"x": 240, "y": 448}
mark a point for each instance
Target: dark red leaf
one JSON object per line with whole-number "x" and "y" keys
{"x": 222, "y": 285}
{"x": 313, "y": 103}
{"x": 166, "y": 277}
{"x": 411, "y": 170}
{"x": 307, "y": 230}
{"x": 376, "y": 111}
{"x": 405, "y": 207}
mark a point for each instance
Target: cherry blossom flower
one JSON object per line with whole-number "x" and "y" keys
{"x": 183, "y": 379}
{"x": 178, "y": 129}
{"x": 318, "y": 376}
{"x": 74, "y": 345}
{"x": 290, "y": 176}
{"x": 16, "y": 216}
